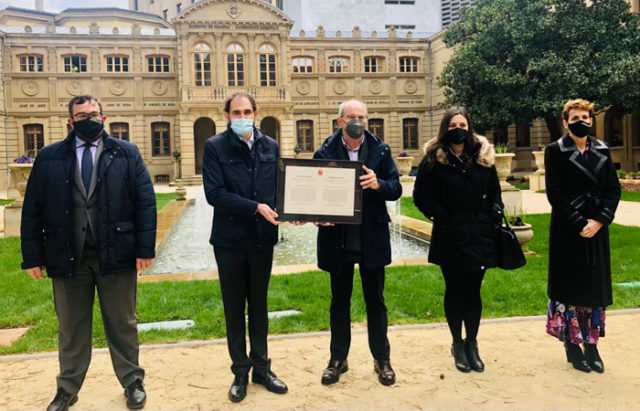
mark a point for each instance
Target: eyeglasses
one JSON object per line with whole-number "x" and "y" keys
{"x": 353, "y": 117}
{"x": 83, "y": 116}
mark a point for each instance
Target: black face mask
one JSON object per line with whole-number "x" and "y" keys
{"x": 89, "y": 129}
{"x": 580, "y": 128}
{"x": 355, "y": 128}
{"x": 456, "y": 136}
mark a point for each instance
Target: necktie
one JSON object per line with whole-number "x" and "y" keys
{"x": 87, "y": 166}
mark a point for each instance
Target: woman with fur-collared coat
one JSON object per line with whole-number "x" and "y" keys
{"x": 457, "y": 188}
{"x": 583, "y": 189}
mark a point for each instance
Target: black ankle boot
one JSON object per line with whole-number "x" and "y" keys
{"x": 593, "y": 358}
{"x": 576, "y": 357}
{"x": 460, "y": 356}
{"x": 473, "y": 356}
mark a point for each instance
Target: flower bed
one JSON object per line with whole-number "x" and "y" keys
{"x": 630, "y": 185}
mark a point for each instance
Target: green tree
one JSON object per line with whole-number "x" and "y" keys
{"x": 518, "y": 60}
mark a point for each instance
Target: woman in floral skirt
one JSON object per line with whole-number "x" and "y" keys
{"x": 583, "y": 189}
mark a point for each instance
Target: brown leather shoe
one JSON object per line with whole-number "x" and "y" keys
{"x": 331, "y": 374}
{"x": 386, "y": 375}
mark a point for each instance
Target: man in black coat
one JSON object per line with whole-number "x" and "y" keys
{"x": 239, "y": 173}
{"x": 89, "y": 222}
{"x": 341, "y": 246}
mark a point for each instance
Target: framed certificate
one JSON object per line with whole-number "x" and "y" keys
{"x": 319, "y": 191}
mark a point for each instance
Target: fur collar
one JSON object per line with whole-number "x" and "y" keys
{"x": 486, "y": 155}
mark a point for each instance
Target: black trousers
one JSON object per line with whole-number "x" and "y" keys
{"x": 244, "y": 280}
{"x": 73, "y": 299}
{"x": 462, "y": 301}
{"x": 373, "y": 289}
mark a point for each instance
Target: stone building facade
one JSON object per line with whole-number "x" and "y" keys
{"x": 163, "y": 83}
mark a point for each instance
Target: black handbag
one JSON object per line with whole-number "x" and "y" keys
{"x": 510, "y": 255}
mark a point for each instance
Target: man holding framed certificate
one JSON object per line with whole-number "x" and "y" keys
{"x": 342, "y": 245}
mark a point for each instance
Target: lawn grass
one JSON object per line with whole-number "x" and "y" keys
{"x": 630, "y": 196}
{"x": 162, "y": 199}
{"x": 413, "y": 295}
{"x": 4, "y": 201}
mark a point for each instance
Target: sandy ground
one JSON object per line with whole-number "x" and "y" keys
{"x": 525, "y": 369}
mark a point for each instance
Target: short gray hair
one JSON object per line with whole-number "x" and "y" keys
{"x": 346, "y": 103}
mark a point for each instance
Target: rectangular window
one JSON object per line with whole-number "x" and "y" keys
{"x": 338, "y": 65}
{"x": 33, "y": 139}
{"x": 408, "y": 64}
{"x": 117, "y": 64}
{"x": 304, "y": 131}
{"x": 410, "y": 133}
{"x": 158, "y": 64}
{"x": 373, "y": 64}
{"x": 74, "y": 64}
{"x": 165, "y": 14}
{"x": 500, "y": 135}
{"x": 268, "y": 70}
{"x": 235, "y": 69}
{"x": 31, "y": 63}
{"x": 178, "y": 7}
{"x": 119, "y": 131}
{"x": 303, "y": 64}
{"x": 376, "y": 126}
{"x": 399, "y": 1}
{"x": 160, "y": 139}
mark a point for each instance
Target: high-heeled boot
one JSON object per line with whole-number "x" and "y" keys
{"x": 593, "y": 358}
{"x": 576, "y": 357}
{"x": 460, "y": 356}
{"x": 473, "y": 356}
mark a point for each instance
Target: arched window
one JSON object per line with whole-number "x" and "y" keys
{"x": 304, "y": 134}
{"x": 338, "y": 64}
{"x": 160, "y": 138}
{"x": 117, "y": 63}
{"x": 408, "y": 64}
{"x": 74, "y": 63}
{"x": 33, "y": 139}
{"x": 374, "y": 64}
{"x": 31, "y": 62}
{"x": 235, "y": 65}
{"x": 158, "y": 64}
{"x": 202, "y": 64}
{"x": 302, "y": 64}
{"x": 410, "y": 133}
{"x": 119, "y": 131}
{"x": 267, "y": 60}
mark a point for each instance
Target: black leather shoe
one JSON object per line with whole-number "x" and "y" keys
{"x": 238, "y": 389}
{"x": 270, "y": 381}
{"x": 593, "y": 358}
{"x": 471, "y": 349}
{"x": 62, "y": 401}
{"x": 135, "y": 395}
{"x": 576, "y": 357}
{"x": 386, "y": 375}
{"x": 460, "y": 356}
{"x": 331, "y": 374}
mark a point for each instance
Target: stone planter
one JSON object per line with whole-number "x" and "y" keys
{"x": 503, "y": 166}
{"x": 539, "y": 158}
{"x": 524, "y": 233}
{"x": 404, "y": 165}
{"x": 181, "y": 194}
{"x": 19, "y": 176}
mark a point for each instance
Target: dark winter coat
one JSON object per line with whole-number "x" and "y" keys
{"x": 578, "y": 189}
{"x": 235, "y": 181}
{"x": 464, "y": 205}
{"x": 376, "y": 245}
{"x": 126, "y": 209}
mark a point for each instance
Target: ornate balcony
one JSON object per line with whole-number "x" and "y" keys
{"x": 207, "y": 94}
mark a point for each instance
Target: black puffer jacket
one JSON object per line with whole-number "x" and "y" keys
{"x": 463, "y": 204}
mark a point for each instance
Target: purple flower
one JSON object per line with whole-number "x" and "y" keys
{"x": 23, "y": 159}
{"x": 403, "y": 154}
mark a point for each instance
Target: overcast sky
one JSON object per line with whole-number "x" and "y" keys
{"x": 59, "y": 5}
